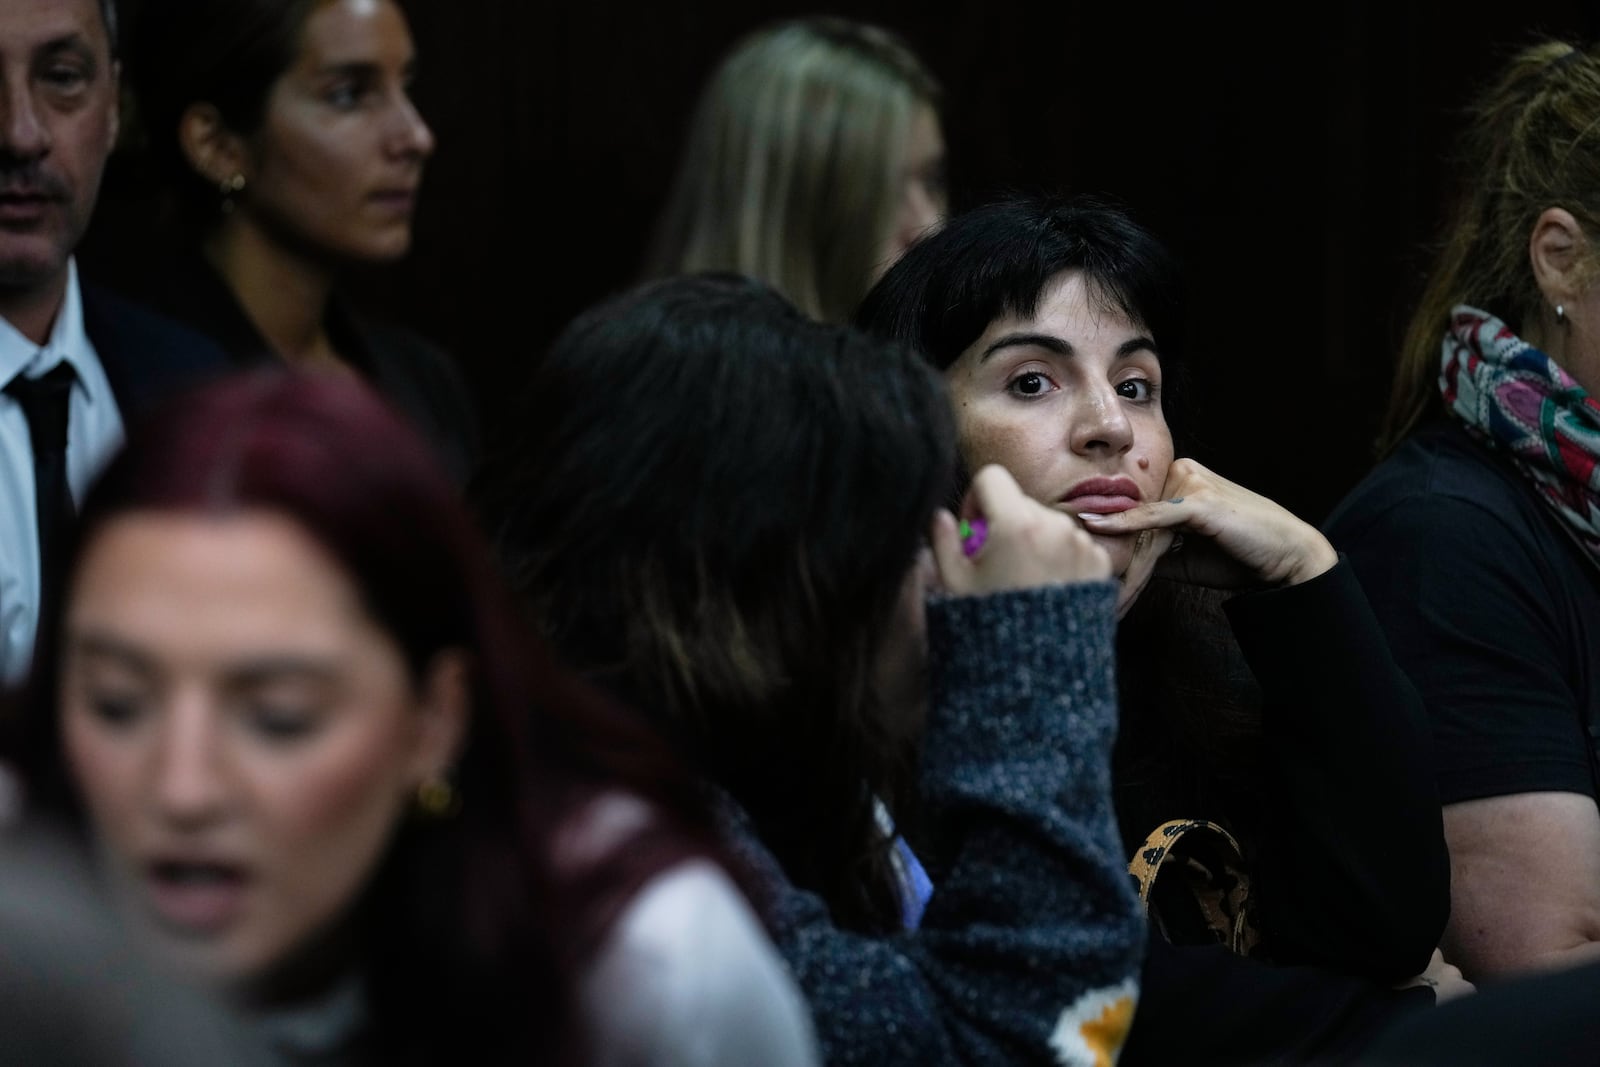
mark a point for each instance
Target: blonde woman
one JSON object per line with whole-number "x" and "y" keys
{"x": 813, "y": 159}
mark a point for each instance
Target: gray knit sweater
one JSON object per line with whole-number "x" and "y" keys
{"x": 1030, "y": 947}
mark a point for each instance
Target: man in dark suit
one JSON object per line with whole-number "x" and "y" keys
{"x": 75, "y": 363}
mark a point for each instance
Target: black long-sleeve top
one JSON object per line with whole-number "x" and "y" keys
{"x": 1336, "y": 806}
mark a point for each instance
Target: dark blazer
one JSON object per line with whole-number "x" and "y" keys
{"x": 146, "y": 355}
{"x": 146, "y": 358}
{"x": 417, "y": 377}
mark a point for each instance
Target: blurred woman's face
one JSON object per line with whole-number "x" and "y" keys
{"x": 924, "y": 197}
{"x": 337, "y": 163}
{"x": 245, "y": 737}
{"x": 1068, "y": 401}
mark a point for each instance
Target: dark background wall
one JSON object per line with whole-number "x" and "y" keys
{"x": 1293, "y": 159}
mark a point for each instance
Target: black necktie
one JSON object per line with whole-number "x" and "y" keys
{"x": 44, "y": 403}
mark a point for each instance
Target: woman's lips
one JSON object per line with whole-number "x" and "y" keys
{"x": 1100, "y": 505}
{"x": 196, "y": 897}
{"x": 1101, "y": 496}
{"x": 400, "y": 201}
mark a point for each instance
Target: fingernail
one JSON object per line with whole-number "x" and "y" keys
{"x": 1093, "y": 518}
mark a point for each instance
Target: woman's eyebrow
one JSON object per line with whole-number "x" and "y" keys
{"x": 348, "y": 68}
{"x": 1134, "y": 345}
{"x": 1048, "y": 342}
{"x": 1061, "y": 347}
{"x": 265, "y": 670}
{"x": 98, "y": 645}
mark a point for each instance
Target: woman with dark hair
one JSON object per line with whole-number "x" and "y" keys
{"x": 1278, "y": 715}
{"x": 328, "y": 773}
{"x": 283, "y": 139}
{"x": 723, "y": 510}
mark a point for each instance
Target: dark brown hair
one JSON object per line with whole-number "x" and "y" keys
{"x": 712, "y": 504}
{"x": 226, "y": 53}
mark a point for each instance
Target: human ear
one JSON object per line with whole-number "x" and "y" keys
{"x": 215, "y": 152}
{"x": 445, "y": 710}
{"x": 1557, "y": 249}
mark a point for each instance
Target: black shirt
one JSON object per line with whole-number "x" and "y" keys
{"x": 419, "y": 379}
{"x": 1340, "y": 819}
{"x": 1491, "y": 607}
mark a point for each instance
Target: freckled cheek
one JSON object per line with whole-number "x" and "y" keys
{"x": 1153, "y": 468}
{"x": 985, "y": 440}
{"x": 1153, "y": 454}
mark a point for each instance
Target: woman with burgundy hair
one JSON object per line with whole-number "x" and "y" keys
{"x": 326, "y": 774}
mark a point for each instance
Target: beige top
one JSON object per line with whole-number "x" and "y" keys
{"x": 688, "y": 978}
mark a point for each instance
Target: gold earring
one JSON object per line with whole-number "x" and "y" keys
{"x": 436, "y": 798}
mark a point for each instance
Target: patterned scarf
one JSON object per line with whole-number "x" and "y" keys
{"x": 1514, "y": 398}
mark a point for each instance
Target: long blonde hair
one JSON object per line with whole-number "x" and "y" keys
{"x": 1531, "y": 143}
{"x": 790, "y": 168}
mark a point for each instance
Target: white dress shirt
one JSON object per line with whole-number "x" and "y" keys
{"x": 94, "y": 432}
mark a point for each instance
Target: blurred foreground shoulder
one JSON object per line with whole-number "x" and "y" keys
{"x": 74, "y": 992}
{"x": 688, "y": 978}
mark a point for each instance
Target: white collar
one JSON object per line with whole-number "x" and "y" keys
{"x": 67, "y": 343}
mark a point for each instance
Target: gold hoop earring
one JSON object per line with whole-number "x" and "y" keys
{"x": 437, "y": 799}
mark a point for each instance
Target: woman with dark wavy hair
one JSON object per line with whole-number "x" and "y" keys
{"x": 329, "y": 775}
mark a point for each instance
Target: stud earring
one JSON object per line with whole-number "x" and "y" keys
{"x": 436, "y": 799}
{"x": 1561, "y": 315}
{"x": 230, "y": 187}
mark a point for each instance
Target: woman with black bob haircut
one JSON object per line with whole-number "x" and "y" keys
{"x": 329, "y": 776}
{"x": 1261, "y": 710}
{"x": 723, "y": 510}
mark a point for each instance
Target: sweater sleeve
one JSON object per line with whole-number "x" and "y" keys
{"x": 1030, "y": 946}
{"x": 1353, "y": 872}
